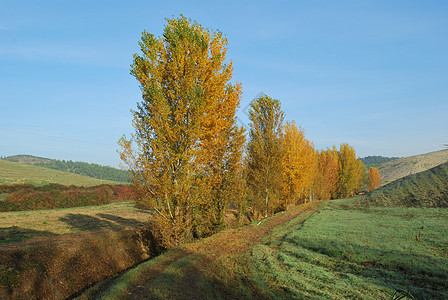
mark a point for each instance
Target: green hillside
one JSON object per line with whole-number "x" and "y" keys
{"x": 77, "y": 167}
{"x": 424, "y": 189}
{"x": 14, "y": 173}
{"x": 405, "y": 166}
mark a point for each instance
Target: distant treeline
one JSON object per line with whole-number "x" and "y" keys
{"x": 29, "y": 197}
{"x": 375, "y": 160}
{"x": 86, "y": 169}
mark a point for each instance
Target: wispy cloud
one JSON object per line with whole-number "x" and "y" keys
{"x": 3, "y": 28}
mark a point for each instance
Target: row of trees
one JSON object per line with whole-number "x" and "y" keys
{"x": 190, "y": 161}
{"x": 283, "y": 166}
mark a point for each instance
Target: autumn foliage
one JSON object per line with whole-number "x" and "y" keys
{"x": 29, "y": 197}
{"x": 374, "y": 179}
{"x": 327, "y": 174}
{"x": 186, "y": 138}
{"x": 189, "y": 160}
{"x": 298, "y": 165}
{"x": 265, "y": 154}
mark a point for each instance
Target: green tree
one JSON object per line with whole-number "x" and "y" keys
{"x": 265, "y": 154}
{"x": 183, "y": 127}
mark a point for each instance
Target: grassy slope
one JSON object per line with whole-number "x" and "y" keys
{"x": 14, "y": 172}
{"x": 25, "y": 225}
{"x": 405, "y": 166}
{"x": 424, "y": 189}
{"x": 81, "y": 168}
{"x": 341, "y": 252}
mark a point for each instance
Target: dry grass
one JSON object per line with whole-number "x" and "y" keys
{"x": 23, "y": 225}
{"x": 15, "y": 173}
{"x": 405, "y": 166}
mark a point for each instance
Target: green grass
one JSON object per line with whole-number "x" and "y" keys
{"x": 337, "y": 252}
{"x": 424, "y": 189}
{"x": 14, "y": 173}
{"x": 345, "y": 253}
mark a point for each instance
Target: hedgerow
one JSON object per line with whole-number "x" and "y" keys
{"x": 28, "y": 197}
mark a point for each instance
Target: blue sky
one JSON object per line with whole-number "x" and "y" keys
{"x": 370, "y": 73}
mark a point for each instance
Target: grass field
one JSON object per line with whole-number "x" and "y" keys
{"x": 346, "y": 253}
{"x": 24, "y": 225}
{"x": 14, "y": 173}
{"x": 334, "y": 253}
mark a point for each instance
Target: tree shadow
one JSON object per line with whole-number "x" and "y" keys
{"x": 194, "y": 276}
{"x": 87, "y": 223}
{"x": 120, "y": 220}
{"x": 15, "y": 234}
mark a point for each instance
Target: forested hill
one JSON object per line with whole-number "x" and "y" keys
{"x": 375, "y": 160}
{"x": 77, "y": 167}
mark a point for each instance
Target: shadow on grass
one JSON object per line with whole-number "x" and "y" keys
{"x": 119, "y": 220}
{"x": 87, "y": 223}
{"x": 185, "y": 275}
{"x": 100, "y": 221}
{"x": 18, "y": 234}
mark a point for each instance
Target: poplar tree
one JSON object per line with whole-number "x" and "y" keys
{"x": 374, "y": 179}
{"x": 299, "y": 164}
{"x": 325, "y": 184}
{"x": 351, "y": 171}
{"x": 183, "y": 127}
{"x": 265, "y": 154}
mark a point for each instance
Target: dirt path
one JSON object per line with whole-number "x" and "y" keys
{"x": 185, "y": 268}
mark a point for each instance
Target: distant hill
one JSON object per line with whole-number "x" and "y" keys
{"x": 405, "y": 166}
{"x": 375, "y": 160}
{"x": 425, "y": 189}
{"x": 81, "y": 168}
{"x": 14, "y": 172}
{"x": 28, "y": 159}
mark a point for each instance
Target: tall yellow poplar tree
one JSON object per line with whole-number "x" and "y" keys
{"x": 299, "y": 164}
{"x": 183, "y": 127}
{"x": 374, "y": 179}
{"x": 351, "y": 171}
{"x": 327, "y": 176}
{"x": 265, "y": 154}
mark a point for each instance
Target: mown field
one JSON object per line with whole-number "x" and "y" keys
{"x": 25, "y": 225}
{"x": 347, "y": 253}
{"x": 336, "y": 252}
{"x": 15, "y": 173}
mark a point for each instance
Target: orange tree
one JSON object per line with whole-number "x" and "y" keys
{"x": 327, "y": 174}
{"x": 374, "y": 179}
{"x": 183, "y": 127}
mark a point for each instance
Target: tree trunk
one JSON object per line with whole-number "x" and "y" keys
{"x": 266, "y": 212}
